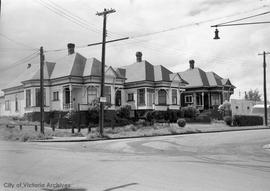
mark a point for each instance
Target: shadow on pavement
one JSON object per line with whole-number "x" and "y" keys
{"x": 122, "y": 186}
{"x": 66, "y": 189}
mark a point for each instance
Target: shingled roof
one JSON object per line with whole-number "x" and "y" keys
{"x": 196, "y": 77}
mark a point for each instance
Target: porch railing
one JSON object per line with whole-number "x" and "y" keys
{"x": 68, "y": 106}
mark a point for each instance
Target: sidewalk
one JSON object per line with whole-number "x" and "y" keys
{"x": 199, "y": 129}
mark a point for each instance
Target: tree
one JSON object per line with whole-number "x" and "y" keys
{"x": 253, "y": 95}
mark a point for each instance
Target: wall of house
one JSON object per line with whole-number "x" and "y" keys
{"x": 13, "y": 111}
{"x": 56, "y": 104}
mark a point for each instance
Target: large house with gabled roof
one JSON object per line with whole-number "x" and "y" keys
{"x": 73, "y": 83}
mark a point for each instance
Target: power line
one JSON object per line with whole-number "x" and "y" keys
{"x": 22, "y": 60}
{"x": 73, "y": 15}
{"x": 67, "y": 16}
{"x": 16, "y": 42}
{"x": 253, "y": 16}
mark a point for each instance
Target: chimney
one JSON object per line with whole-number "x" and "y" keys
{"x": 71, "y": 48}
{"x": 191, "y": 64}
{"x": 139, "y": 56}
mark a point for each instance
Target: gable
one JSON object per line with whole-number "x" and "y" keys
{"x": 111, "y": 72}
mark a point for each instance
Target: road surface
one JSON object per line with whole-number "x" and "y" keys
{"x": 213, "y": 161}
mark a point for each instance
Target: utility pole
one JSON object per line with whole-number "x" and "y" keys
{"x": 264, "y": 86}
{"x": 41, "y": 91}
{"x": 101, "y": 110}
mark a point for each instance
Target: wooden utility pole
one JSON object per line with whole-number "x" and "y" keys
{"x": 41, "y": 91}
{"x": 264, "y": 86}
{"x": 101, "y": 110}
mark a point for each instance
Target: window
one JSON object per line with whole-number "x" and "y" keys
{"x": 188, "y": 99}
{"x": 130, "y": 97}
{"x": 118, "y": 98}
{"x": 16, "y": 104}
{"x": 28, "y": 98}
{"x": 150, "y": 96}
{"x": 107, "y": 93}
{"x": 215, "y": 99}
{"x": 92, "y": 94}
{"x": 174, "y": 97}
{"x": 7, "y": 105}
{"x": 141, "y": 96}
{"x": 38, "y": 97}
{"x": 55, "y": 96}
{"x": 198, "y": 99}
{"x": 162, "y": 95}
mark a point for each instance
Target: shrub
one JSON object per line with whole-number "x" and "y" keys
{"x": 150, "y": 117}
{"x": 124, "y": 111}
{"x": 141, "y": 122}
{"x": 172, "y": 115}
{"x": 228, "y": 120}
{"x": 247, "y": 120}
{"x": 181, "y": 122}
{"x": 190, "y": 112}
{"x": 121, "y": 121}
{"x": 93, "y": 114}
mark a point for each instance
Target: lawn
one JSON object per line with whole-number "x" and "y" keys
{"x": 28, "y": 133}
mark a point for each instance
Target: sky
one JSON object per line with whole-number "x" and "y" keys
{"x": 167, "y": 32}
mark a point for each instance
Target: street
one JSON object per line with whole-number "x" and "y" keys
{"x": 215, "y": 161}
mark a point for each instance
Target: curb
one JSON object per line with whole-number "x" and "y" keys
{"x": 136, "y": 137}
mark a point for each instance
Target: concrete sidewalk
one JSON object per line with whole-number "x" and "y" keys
{"x": 209, "y": 130}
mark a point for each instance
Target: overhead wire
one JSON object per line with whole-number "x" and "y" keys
{"x": 67, "y": 16}
{"x": 16, "y": 42}
{"x": 253, "y": 16}
{"x": 75, "y": 16}
{"x": 22, "y": 61}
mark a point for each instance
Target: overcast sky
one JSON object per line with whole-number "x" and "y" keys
{"x": 182, "y": 29}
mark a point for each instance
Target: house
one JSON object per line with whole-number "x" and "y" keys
{"x": 73, "y": 83}
{"x": 205, "y": 90}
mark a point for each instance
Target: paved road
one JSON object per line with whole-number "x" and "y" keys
{"x": 215, "y": 161}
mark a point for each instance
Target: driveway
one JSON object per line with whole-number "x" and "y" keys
{"x": 215, "y": 161}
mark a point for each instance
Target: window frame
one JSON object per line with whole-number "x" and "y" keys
{"x": 130, "y": 97}
{"x": 160, "y": 101}
{"x": 186, "y": 99}
{"x": 174, "y": 96}
{"x": 56, "y": 96}
{"x": 7, "y": 105}
{"x": 141, "y": 97}
{"x": 28, "y": 98}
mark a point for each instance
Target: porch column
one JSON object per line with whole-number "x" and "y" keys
{"x": 203, "y": 100}
{"x": 169, "y": 97}
{"x": 145, "y": 97}
{"x": 209, "y": 100}
{"x": 70, "y": 97}
{"x": 156, "y": 97}
{"x": 194, "y": 99}
{"x": 113, "y": 92}
{"x": 179, "y": 97}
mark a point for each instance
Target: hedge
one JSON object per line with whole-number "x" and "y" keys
{"x": 247, "y": 120}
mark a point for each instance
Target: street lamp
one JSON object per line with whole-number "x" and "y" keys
{"x": 231, "y": 23}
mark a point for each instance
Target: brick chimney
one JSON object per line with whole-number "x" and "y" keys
{"x": 139, "y": 56}
{"x": 191, "y": 64}
{"x": 71, "y": 48}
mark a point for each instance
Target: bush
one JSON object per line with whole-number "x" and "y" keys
{"x": 181, "y": 122}
{"x": 141, "y": 122}
{"x": 124, "y": 111}
{"x": 190, "y": 112}
{"x": 247, "y": 120}
{"x": 228, "y": 120}
{"x": 150, "y": 117}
